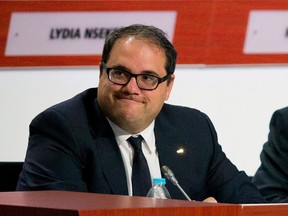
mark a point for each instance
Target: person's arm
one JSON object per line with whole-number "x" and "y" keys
{"x": 272, "y": 176}
{"x": 52, "y": 161}
{"x": 226, "y": 183}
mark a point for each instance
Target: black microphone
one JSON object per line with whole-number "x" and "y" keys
{"x": 170, "y": 176}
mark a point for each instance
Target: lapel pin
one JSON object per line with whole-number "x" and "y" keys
{"x": 180, "y": 151}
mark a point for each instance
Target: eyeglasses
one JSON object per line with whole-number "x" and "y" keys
{"x": 144, "y": 81}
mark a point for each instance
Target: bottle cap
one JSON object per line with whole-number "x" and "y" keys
{"x": 159, "y": 181}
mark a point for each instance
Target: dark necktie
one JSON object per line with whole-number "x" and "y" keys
{"x": 141, "y": 179}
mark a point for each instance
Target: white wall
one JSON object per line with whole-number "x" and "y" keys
{"x": 239, "y": 100}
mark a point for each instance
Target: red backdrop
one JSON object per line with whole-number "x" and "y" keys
{"x": 210, "y": 32}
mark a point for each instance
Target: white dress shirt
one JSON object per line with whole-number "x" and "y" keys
{"x": 127, "y": 151}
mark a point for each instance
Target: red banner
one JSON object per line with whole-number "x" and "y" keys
{"x": 209, "y": 32}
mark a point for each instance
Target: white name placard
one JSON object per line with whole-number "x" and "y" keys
{"x": 75, "y": 33}
{"x": 267, "y": 32}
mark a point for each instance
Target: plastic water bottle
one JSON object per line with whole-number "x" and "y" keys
{"x": 158, "y": 189}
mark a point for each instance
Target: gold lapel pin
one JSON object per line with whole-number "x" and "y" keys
{"x": 180, "y": 151}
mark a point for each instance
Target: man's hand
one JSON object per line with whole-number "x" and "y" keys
{"x": 210, "y": 200}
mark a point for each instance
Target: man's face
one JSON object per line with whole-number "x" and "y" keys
{"x": 129, "y": 107}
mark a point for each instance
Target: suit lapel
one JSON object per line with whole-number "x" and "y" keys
{"x": 169, "y": 143}
{"x": 109, "y": 152}
{"x": 112, "y": 165}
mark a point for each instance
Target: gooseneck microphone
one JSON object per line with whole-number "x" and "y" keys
{"x": 170, "y": 176}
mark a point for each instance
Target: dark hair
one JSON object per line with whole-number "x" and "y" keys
{"x": 149, "y": 33}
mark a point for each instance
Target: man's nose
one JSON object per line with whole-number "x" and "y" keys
{"x": 132, "y": 85}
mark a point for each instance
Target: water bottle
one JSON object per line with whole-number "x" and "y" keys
{"x": 158, "y": 189}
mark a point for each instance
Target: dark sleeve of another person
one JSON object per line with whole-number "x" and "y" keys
{"x": 272, "y": 176}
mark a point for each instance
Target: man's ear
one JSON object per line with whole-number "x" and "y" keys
{"x": 101, "y": 68}
{"x": 170, "y": 86}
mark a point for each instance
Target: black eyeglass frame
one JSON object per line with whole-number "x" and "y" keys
{"x": 159, "y": 79}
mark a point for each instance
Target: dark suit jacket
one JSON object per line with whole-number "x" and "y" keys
{"x": 272, "y": 176}
{"x": 72, "y": 147}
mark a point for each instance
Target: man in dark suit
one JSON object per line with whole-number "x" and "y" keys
{"x": 271, "y": 178}
{"x": 83, "y": 144}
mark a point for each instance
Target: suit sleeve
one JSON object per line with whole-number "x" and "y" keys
{"x": 53, "y": 160}
{"x": 272, "y": 176}
{"x": 226, "y": 182}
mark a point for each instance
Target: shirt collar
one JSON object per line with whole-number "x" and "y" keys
{"x": 147, "y": 134}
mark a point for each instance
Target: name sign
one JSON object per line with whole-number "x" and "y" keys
{"x": 267, "y": 32}
{"x": 75, "y": 33}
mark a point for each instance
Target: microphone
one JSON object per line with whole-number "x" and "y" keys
{"x": 170, "y": 176}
